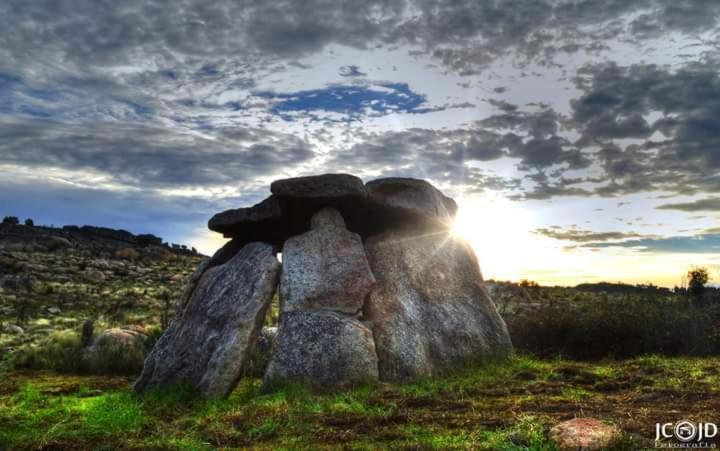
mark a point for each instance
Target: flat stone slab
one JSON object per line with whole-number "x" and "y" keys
{"x": 429, "y": 310}
{"x": 322, "y": 349}
{"x": 412, "y": 199}
{"x": 248, "y": 221}
{"x": 368, "y": 209}
{"x": 325, "y": 186}
{"x": 220, "y": 316}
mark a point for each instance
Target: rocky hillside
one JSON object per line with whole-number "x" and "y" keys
{"x": 55, "y": 279}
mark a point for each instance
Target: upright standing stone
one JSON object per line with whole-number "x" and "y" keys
{"x": 209, "y": 342}
{"x": 429, "y": 310}
{"x": 323, "y": 286}
{"x": 325, "y": 268}
{"x": 322, "y": 349}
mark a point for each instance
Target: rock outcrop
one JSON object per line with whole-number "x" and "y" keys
{"x": 373, "y": 287}
{"x": 211, "y": 338}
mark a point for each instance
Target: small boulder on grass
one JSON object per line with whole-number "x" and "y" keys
{"x": 584, "y": 434}
{"x": 117, "y": 351}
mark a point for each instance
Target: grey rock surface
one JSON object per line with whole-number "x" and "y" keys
{"x": 208, "y": 343}
{"x": 368, "y": 209}
{"x": 263, "y": 351}
{"x": 325, "y": 268}
{"x": 325, "y": 186}
{"x": 412, "y": 197}
{"x": 114, "y": 345}
{"x": 429, "y": 310}
{"x": 250, "y": 223}
{"x": 322, "y": 349}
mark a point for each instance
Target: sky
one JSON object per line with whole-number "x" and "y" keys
{"x": 580, "y": 138}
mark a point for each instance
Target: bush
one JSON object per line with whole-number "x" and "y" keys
{"x": 61, "y": 351}
{"x": 618, "y": 327}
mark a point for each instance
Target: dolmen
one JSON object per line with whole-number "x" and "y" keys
{"x": 372, "y": 286}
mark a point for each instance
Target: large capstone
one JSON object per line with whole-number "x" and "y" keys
{"x": 368, "y": 209}
{"x": 322, "y": 349}
{"x": 261, "y": 222}
{"x": 325, "y": 268}
{"x": 221, "y": 313}
{"x": 429, "y": 311}
{"x": 407, "y": 200}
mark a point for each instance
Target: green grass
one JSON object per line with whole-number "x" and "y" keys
{"x": 502, "y": 406}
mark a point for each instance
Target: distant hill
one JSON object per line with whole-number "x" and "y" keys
{"x": 621, "y": 288}
{"x": 28, "y": 237}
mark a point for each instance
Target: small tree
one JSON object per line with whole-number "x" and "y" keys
{"x": 698, "y": 277}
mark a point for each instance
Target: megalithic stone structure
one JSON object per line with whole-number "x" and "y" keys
{"x": 373, "y": 286}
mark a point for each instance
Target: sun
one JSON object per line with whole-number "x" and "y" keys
{"x": 500, "y": 232}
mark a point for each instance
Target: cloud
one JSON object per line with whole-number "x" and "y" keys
{"x": 351, "y": 71}
{"x": 701, "y": 244}
{"x": 584, "y": 236}
{"x": 463, "y": 35}
{"x": 150, "y": 155}
{"x": 671, "y": 114}
{"x": 710, "y": 204}
{"x": 707, "y": 242}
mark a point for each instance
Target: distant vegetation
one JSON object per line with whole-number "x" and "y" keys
{"x": 612, "y": 320}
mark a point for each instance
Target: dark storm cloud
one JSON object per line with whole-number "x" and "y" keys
{"x": 711, "y": 204}
{"x": 150, "y": 155}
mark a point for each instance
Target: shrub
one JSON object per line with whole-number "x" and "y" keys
{"x": 618, "y": 327}
{"x": 61, "y": 351}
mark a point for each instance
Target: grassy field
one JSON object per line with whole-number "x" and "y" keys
{"x": 46, "y": 298}
{"x": 505, "y": 406}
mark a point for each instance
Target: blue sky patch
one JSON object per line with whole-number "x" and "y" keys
{"x": 354, "y": 101}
